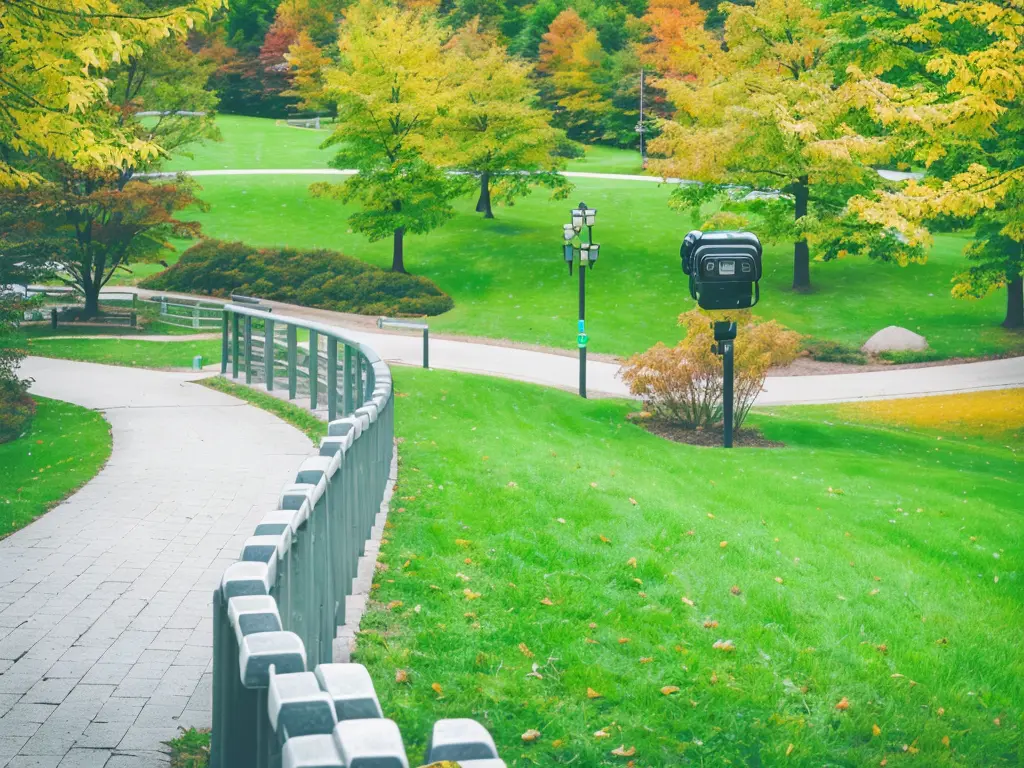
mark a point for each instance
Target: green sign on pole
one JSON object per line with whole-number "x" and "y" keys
{"x": 581, "y": 340}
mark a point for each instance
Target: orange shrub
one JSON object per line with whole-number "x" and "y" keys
{"x": 684, "y": 383}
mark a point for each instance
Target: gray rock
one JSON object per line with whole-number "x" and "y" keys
{"x": 895, "y": 339}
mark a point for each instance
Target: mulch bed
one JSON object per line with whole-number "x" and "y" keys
{"x": 745, "y": 438}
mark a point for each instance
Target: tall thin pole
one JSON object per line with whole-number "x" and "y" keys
{"x": 727, "y": 395}
{"x": 640, "y": 125}
{"x": 582, "y": 325}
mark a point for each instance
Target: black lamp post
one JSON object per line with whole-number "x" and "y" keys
{"x": 588, "y": 253}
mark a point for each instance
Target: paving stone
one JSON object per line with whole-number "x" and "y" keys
{"x": 85, "y": 758}
{"x": 103, "y": 735}
{"x": 50, "y": 691}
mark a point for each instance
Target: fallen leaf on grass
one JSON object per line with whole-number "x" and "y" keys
{"x": 778, "y": 579}
{"x": 875, "y": 730}
{"x": 513, "y": 484}
{"x": 438, "y": 690}
{"x": 470, "y": 594}
{"x": 592, "y": 694}
{"x": 631, "y": 562}
{"x": 593, "y": 485}
{"x": 394, "y": 604}
{"x": 622, "y": 751}
{"x": 945, "y": 741}
{"x": 523, "y": 649}
{"x": 789, "y": 750}
{"x": 623, "y": 640}
{"x": 535, "y": 673}
{"x": 602, "y": 734}
{"x": 843, "y": 705}
{"x": 531, "y": 735}
{"x": 605, "y": 539}
{"x": 724, "y": 645}
{"x": 735, "y": 590}
{"x": 591, "y": 641}
{"x": 546, "y": 601}
{"x": 688, "y": 601}
{"x": 462, "y": 542}
{"x": 710, "y": 624}
{"x": 668, "y": 690}
{"x": 561, "y": 520}
{"x": 710, "y": 516}
{"x": 940, "y": 711}
{"x": 646, "y": 659}
{"x": 401, "y": 676}
{"x": 632, "y": 501}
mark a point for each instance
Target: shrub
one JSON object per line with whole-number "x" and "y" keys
{"x": 683, "y": 384}
{"x": 835, "y": 352}
{"x": 16, "y": 410}
{"x": 318, "y": 278}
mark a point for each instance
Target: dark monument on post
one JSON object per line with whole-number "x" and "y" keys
{"x": 724, "y": 269}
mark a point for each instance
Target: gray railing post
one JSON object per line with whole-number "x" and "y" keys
{"x": 268, "y": 353}
{"x": 234, "y": 345}
{"x": 248, "y": 349}
{"x": 332, "y": 377}
{"x": 426, "y": 347}
{"x": 348, "y": 407}
{"x": 292, "y": 360}
{"x": 195, "y": 316}
{"x": 314, "y": 354}
{"x": 223, "y": 343}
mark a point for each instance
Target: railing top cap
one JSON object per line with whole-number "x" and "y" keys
{"x": 395, "y": 322}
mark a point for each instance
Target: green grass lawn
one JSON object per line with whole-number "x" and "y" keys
{"x": 540, "y": 547}
{"x": 64, "y": 448}
{"x": 508, "y": 280}
{"x": 129, "y": 352}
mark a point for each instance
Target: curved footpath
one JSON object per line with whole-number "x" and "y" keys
{"x": 562, "y": 371}
{"x": 105, "y": 629}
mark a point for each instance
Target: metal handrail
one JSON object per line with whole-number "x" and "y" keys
{"x": 300, "y": 563}
{"x": 392, "y": 322}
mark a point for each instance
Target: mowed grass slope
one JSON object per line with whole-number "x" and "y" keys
{"x": 130, "y": 352}
{"x": 255, "y": 142}
{"x": 549, "y": 566}
{"x": 65, "y": 446}
{"x": 509, "y": 282}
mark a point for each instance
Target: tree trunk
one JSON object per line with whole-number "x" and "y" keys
{"x": 1014, "y": 304}
{"x": 801, "y": 254}
{"x": 483, "y": 205}
{"x": 92, "y": 300}
{"x": 398, "y": 254}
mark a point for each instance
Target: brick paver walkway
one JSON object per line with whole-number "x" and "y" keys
{"x": 105, "y": 628}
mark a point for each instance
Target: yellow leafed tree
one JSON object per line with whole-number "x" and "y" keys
{"x": 769, "y": 115}
{"x": 970, "y": 134}
{"x": 53, "y": 57}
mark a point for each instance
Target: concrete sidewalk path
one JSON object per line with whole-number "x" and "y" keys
{"x": 562, "y": 370}
{"x": 105, "y": 601}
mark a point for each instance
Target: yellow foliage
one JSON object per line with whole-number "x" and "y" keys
{"x": 684, "y": 383}
{"x": 999, "y": 412}
{"x": 54, "y": 57}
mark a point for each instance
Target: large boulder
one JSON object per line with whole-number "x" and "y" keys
{"x": 895, "y": 339}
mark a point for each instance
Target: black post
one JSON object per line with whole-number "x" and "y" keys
{"x": 426, "y": 347}
{"x": 725, "y": 333}
{"x": 727, "y": 392}
{"x": 583, "y": 317}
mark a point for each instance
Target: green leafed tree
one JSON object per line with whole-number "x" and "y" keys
{"x": 497, "y": 131}
{"x": 394, "y": 86}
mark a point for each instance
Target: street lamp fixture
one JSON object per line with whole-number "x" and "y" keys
{"x": 588, "y": 253}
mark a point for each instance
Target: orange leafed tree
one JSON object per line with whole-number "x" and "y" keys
{"x": 678, "y": 40}
{"x": 572, "y": 58}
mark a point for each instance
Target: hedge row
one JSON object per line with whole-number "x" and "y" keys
{"x": 324, "y": 279}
